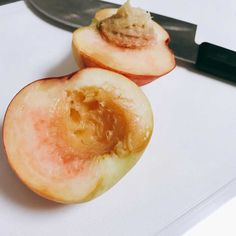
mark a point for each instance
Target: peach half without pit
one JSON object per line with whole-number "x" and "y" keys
{"x": 70, "y": 139}
{"x": 127, "y": 41}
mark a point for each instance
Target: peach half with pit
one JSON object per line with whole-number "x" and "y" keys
{"x": 127, "y": 41}
{"x": 70, "y": 139}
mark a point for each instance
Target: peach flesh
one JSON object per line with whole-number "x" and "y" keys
{"x": 70, "y": 142}
{"x": 140, "y": 65}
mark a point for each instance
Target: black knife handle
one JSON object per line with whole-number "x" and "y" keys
{"x": 217, "y": 61}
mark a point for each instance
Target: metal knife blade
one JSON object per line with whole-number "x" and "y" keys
{"x": 79, "y": 13}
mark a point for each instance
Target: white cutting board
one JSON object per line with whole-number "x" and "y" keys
{"x": 188, "y": 168}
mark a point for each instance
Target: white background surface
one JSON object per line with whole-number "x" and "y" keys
{"x": 221, "y": 222}
{"x": 191, "y": 155}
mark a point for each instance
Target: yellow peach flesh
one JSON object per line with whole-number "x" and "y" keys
{"x": 142, "y": 65}
{"x": 71, "y": 139}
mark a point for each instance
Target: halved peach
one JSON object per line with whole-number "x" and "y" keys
{"x": 142, "y": 65}
{"x": 69, "y": 139}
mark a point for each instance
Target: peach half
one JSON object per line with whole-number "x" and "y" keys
{"x": 70, "y": 139}
{"x": 142, "y": 65}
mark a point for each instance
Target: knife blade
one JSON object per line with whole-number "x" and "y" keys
{"x": 206, "y": 56}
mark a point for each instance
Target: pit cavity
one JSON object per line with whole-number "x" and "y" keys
{"x": 85, "y": 126}
{"x": 98, "y": 124}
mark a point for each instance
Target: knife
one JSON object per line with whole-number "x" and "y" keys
{"x": 205, "y": 57}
